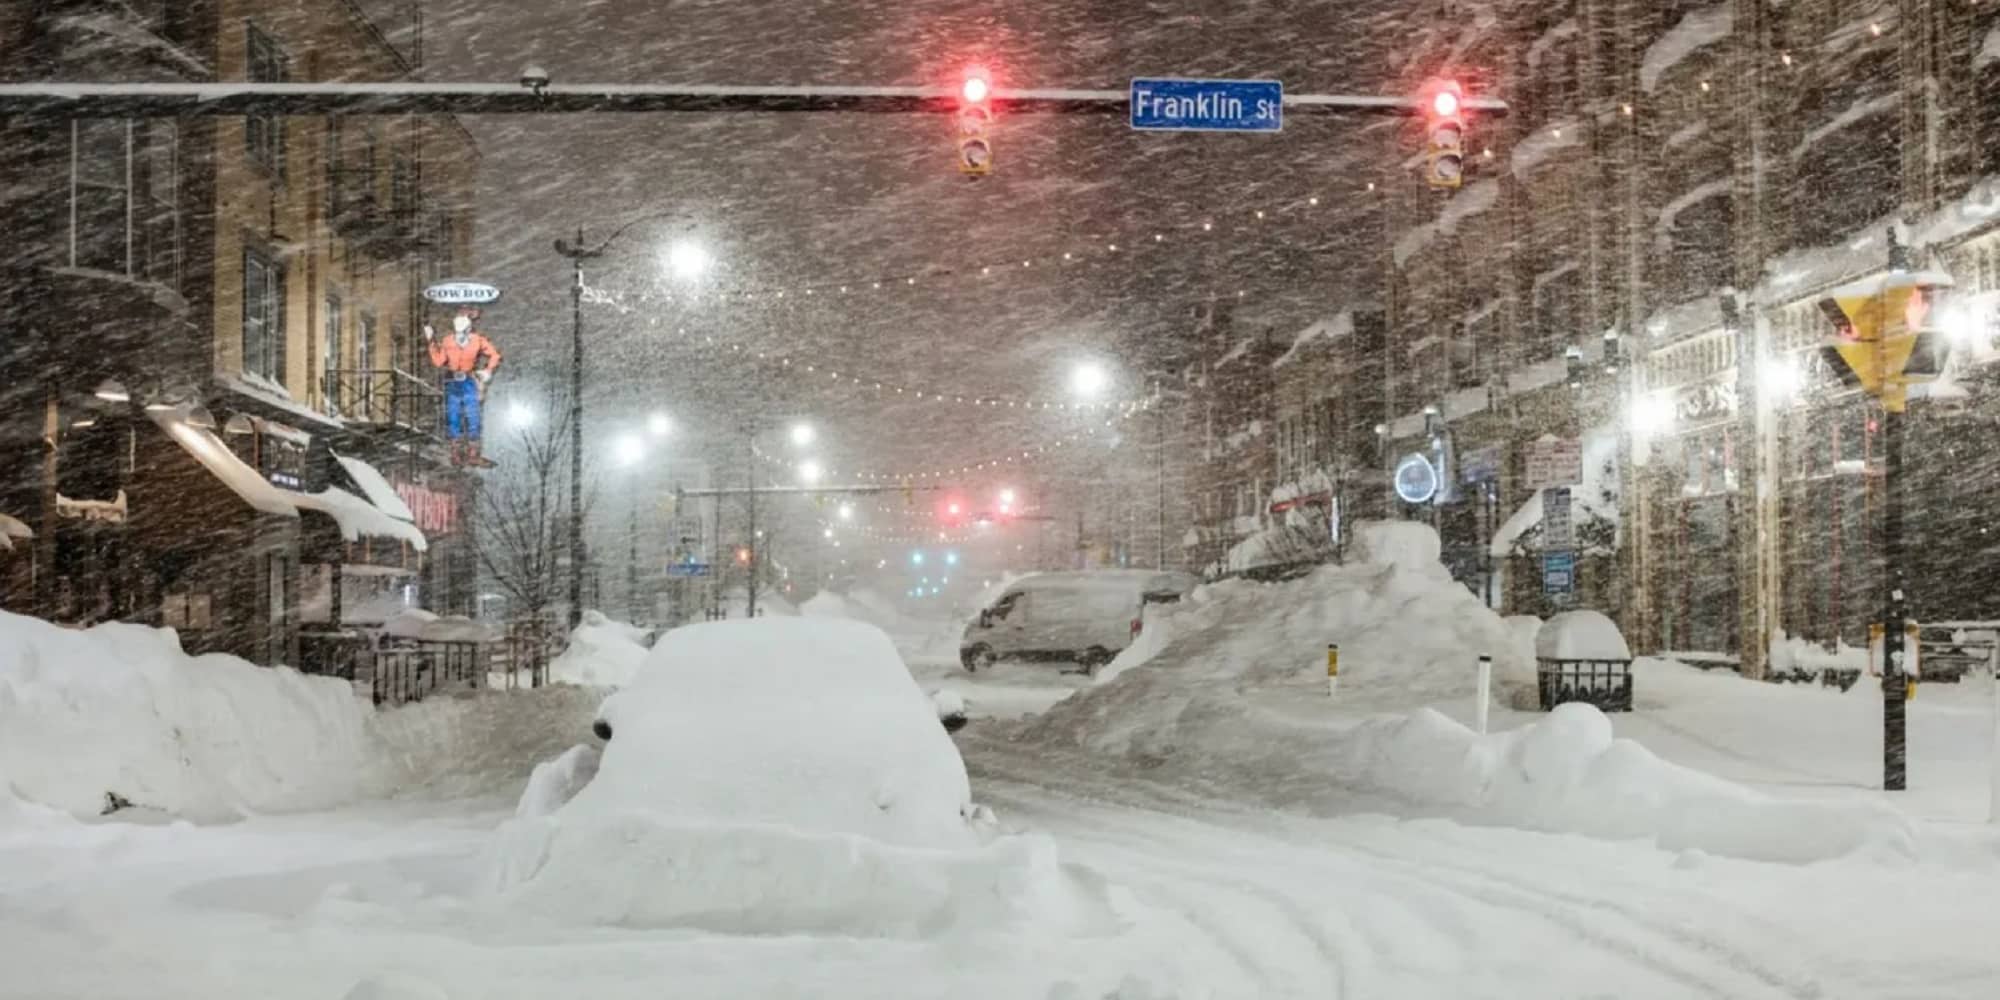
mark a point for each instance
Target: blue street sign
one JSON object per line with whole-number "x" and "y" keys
{"x": 1559, "y": 574}
{"x": 687, "y": 569}
{"x": 1173, "y": 105}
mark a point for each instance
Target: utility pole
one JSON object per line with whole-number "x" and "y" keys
{"x": 750, "y": 472}
{"x": 1895, "y": 687}
{"x": 1160, "y": 462}
{"x": 577, "y": 254}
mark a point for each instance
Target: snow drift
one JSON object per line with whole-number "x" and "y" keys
{"x": 1567, "y": 774}
{"x": 777, "y": 776}
{"x": 121, "y": 710}
{"x": 1227, "y": 689}
{"x": 601, "y": 653}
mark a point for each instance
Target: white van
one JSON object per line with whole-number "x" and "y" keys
{"x": 1083, "y": 617}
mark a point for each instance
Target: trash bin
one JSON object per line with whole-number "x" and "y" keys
{"x": 1580, "y": 656}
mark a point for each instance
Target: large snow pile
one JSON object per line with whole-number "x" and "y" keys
{"x": 1408, "y": 635}
{"x": 601, "y": 653}
{"x": 784, "y": 775}
{"x": 1567, "y": 773}
{"x": 120, "y": 710}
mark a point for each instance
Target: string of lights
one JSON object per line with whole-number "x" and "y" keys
{"x": 1009, "y": 459}
{"x": 1082, "y": 254}
{"x": 888, "y": 389}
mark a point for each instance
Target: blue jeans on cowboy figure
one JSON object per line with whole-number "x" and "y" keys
{"x": 461, "y": 407}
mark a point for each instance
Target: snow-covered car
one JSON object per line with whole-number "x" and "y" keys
{"x": 772, "y": 775}
{"x": 1082, "y": 617}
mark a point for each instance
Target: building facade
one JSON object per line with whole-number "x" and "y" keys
{"x": 223, "y": 422}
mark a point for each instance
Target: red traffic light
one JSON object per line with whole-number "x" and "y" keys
{"x": 976, "y": 88}
{"x": 1445, "y": 103}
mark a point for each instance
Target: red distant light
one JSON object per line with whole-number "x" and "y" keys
{"x": 1445, "y": 104}
{"x": 952, "y": 509}
{"x": 976, "y": 89}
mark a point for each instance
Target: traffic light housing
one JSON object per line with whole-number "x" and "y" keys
{"x": 1444, "y": 154}
{"x": 975, "y": 122}
{"x": 1884, "y": 339}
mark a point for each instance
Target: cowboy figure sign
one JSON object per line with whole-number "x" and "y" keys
{"x": 465, "y": 378}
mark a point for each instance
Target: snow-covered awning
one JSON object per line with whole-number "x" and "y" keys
{"x": 216, "y": 457}
{"x": 357, "y": 517}
{"x": 423, "y": 626}
{"x": 375, "y": 487}
{"x": 12, "y": 527}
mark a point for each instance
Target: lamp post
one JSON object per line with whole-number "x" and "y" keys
{"x": 683, "y": 263}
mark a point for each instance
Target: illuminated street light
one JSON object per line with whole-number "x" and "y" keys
{"x": 628, "y": 450}
{"x": 826, "y": 533}
{"x": 687, "y": 260}
{"x": 520, "y": 415}
{"x": 659, "y": 424}
{"x": 810, "y": 472}
{"x": 1088, "y": 380}
{"x": 917, "y": 558}
{"x": 803, "y": 434}
{"x": 951, "y": 559}
{"x": 1652, "y": 414}
{"x": 847, "y": 512}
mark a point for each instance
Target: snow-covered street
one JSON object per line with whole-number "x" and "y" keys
{"x": 1217, "y": 902}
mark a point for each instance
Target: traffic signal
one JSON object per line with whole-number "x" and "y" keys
{"x": 1445, "y": 147}
{"x": 1884, "y": 337}
{"x": 975, "y": 119}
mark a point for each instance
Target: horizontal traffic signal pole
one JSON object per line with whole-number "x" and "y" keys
{"x": 162, "y": 100}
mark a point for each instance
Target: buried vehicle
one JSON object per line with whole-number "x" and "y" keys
{"x": 776, "y": 775}
{"x": 1083, "y": 617}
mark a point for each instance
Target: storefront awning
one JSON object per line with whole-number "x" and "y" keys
{"x": 216, "y": 457}
{"x": 356, "y": 517}
{"x": 375, "y": 487}
{"x": 12, "y": 528}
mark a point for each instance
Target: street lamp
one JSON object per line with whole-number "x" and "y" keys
{"x": 1088, "y": 379}
{"x": 520, "y": 415}
{"x": 576, "y": 253}
{"x": 803, "y": 434}
{"x": 847, "y": 512}
{"x": 659, "y": 424}
{"x": 810, "y": 472}
{"x": 628, "y": 450}
{"x": 686, "y": 260}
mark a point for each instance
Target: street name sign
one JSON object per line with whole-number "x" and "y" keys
{"x": 1180, "y": 105}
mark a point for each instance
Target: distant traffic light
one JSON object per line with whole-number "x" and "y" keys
{"x": 1444, "y": 155}
{"x": 975, "y": 118}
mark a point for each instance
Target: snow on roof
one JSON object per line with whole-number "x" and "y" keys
{"x": 1989, "y": 52}
{"x": 216, "y": 457}
{"x": 1543, "y": 143}
{"x": 1686, "y": 135}
{"x": 14, "y": 527}
{"x": 1474, "y": 199}
{"x": 1866, "y": 107}
{"x": 1876, "y": 284}
{"x": 375, "y": 487}
{"x": 1692, "y": 316}
{"x": 357, "y": 517}
{"x": 1540, "y": 49}
{"x": 126, "y": 32}
{"x": 259, "y": 387}
{"x": 416, "y": 623}
{"x": 1979, "y": 208}
{"x": 1698, "y": 30}
{"x": 1326, "y": 329}
{"x": 1663, "y": 229}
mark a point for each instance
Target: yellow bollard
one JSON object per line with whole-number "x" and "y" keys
{"x": 1332, "y": 668}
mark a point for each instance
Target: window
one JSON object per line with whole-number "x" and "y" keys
{"x": 263, "y": 317}
{"x": 264, "y": 134}
{"x": 156, "y": 220}
{"x": 364, "y": 340}
{"x": 100, "y": 198}
{"x": 332, "y": 179}
{"x": 403, "y": 194}
{"x": 330, "y": 353}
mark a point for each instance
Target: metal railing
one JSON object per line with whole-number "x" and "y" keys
{"x": 387, "y": 397}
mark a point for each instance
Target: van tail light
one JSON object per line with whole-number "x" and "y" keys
{"x": 1136, "y": 623}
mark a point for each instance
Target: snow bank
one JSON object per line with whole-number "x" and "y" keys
{"x": 1566, "y": 773}
{"x": 601, "y": 653}
{"x": 119, "y": 709}
{"x": 555, "y": 782}
{"x": 776, "y": 776}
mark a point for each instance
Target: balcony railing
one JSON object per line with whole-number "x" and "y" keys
{"x": 386, "y": 397}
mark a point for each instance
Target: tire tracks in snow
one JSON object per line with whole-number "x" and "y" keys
{"x": 1177, "y": 848}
